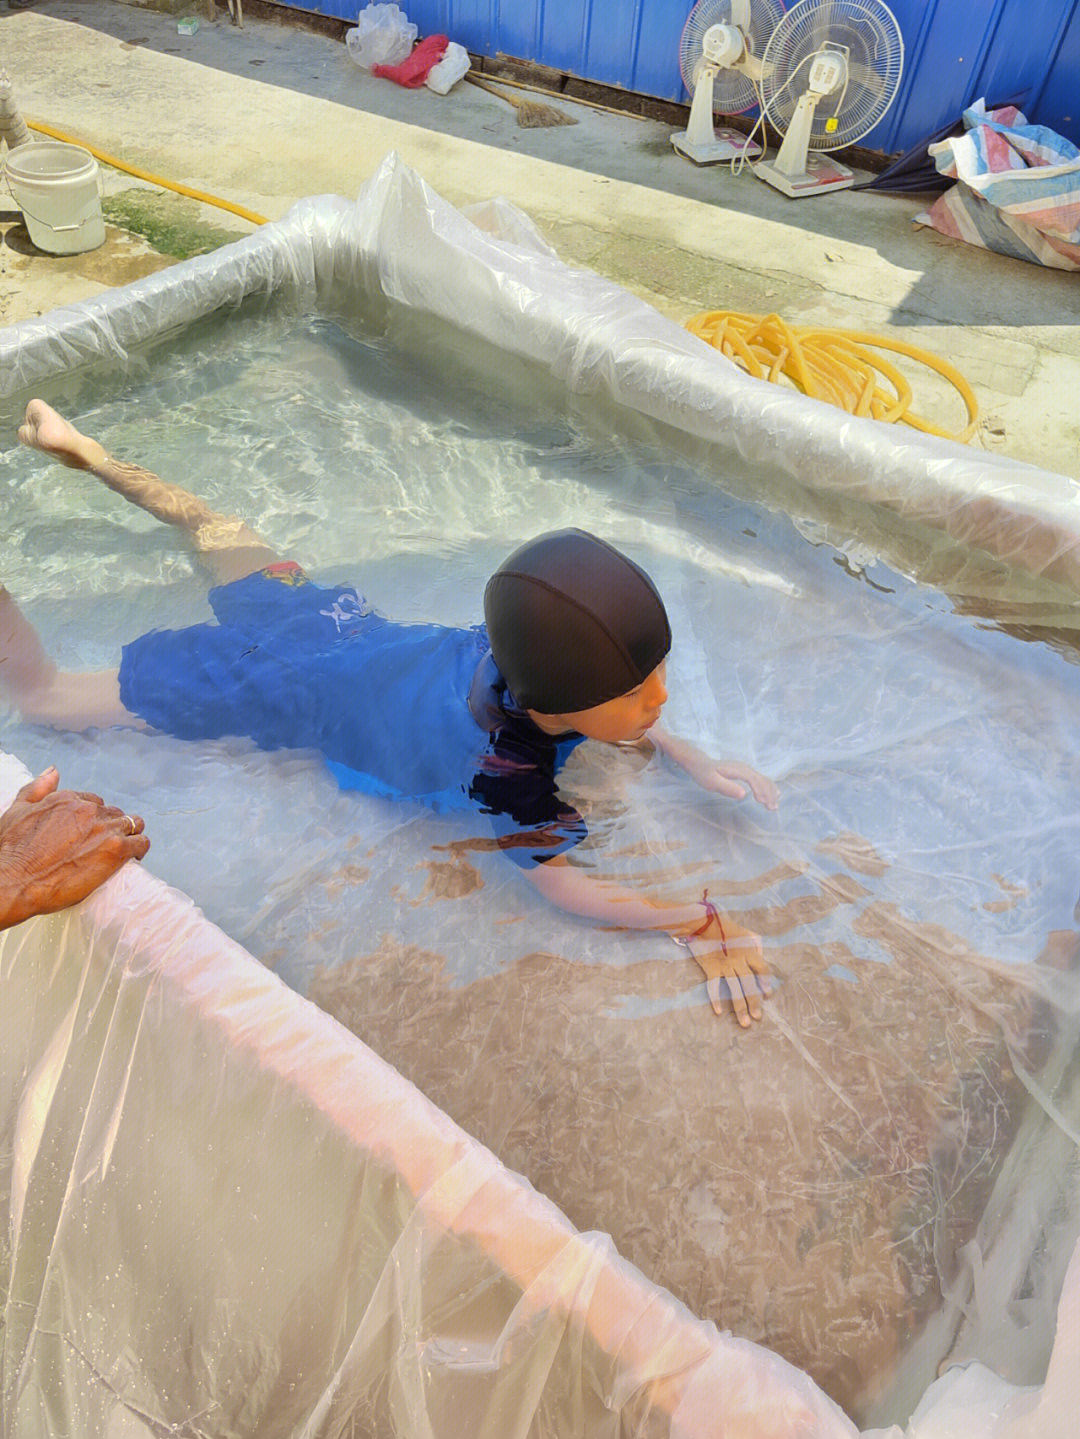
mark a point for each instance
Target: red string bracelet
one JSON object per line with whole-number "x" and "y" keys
{"x": 711, "y": 913}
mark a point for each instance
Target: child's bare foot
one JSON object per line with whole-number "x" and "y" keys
{"x": 43, "y": 429}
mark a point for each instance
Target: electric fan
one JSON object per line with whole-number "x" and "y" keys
{"x": 829, "y": 72}
{"x": 719, "y": 59}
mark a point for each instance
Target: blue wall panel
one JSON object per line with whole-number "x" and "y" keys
{"x": 1021, "y": 52}
{"x": 613, "y": 40}
{"x": 1058, "y": 103}
{"x": 472, "y": 23}
{"x": 657, "y": 69}
{"x": 955, "y": 51}
{"x": 518, "y": 28}
{"x": 564, "y": 35}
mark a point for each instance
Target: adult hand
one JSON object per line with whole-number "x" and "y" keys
{"x": 736, "y": 977}
{"x": 57, "y": 846}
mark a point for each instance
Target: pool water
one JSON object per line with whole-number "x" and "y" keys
{"x": 809, "y": 1185}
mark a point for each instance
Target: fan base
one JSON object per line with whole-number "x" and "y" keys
{"x": 727, "y": 145}
{"x": 821, "y": 175}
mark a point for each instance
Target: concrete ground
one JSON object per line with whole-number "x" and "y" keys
{"x": 265, "y": 114}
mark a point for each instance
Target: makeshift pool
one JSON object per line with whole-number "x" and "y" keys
{"x": 880, "y": 1178}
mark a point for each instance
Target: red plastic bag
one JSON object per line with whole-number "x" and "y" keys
{"x": 414, "y": 71}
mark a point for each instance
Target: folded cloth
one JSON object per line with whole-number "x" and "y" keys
{"x": 1018, "y": 189}
{"x": 414, "y": 71}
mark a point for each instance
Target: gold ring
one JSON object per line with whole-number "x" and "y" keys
{"x": 134, "y": 827}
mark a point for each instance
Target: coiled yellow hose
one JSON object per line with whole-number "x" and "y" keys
{"x": 146, "y": 174}
{"x": 832, "y": 365}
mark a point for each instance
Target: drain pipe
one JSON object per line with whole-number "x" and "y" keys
{"x": 12, "y": 125}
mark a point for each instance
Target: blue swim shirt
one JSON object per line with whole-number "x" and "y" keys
{"x": 407, "y": 711}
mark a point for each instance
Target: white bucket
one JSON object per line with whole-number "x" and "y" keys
{"x": 56, "y": 187}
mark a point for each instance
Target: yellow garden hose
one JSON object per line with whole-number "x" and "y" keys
{"x": 146, "y": 175}
{"x": 832, "y": 365}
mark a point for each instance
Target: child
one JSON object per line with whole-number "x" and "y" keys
{"x": 573, "y": 647}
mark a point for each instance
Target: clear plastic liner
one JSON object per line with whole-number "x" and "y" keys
{"x": 227, "y": 1216}
{"x": 879, "y": 1180}
{"x": 403, "y": 242}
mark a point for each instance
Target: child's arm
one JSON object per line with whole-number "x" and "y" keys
{"x": 728, "y": 954}
{"x": 726, "y": 777}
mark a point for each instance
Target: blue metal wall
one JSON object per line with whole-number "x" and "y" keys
{"x": 955, "y": 51}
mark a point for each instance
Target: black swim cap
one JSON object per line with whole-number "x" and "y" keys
{"x": 573, "y": 623}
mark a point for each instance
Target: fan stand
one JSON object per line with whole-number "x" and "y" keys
{"x": 725, "y": 145}
{"x": 797, "y": 170}
{"x": 701, "y": 141}
{"x": 821, "y": 174}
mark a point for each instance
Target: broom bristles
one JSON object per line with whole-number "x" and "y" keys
{"x": 531, "y": 114}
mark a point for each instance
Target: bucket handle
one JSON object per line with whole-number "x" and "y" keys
{"x": 56, "y": 229}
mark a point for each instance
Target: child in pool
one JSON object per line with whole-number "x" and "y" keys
{"x": 574, "y": 647}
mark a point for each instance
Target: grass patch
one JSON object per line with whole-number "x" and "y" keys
{"x": 170, "y": 223}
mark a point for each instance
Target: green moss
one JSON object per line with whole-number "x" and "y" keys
{"x": 172, "y": 224}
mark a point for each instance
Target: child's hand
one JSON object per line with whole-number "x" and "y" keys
{"x": 720, "y": 776}
{"x": 730, "y": 778}
{"x": 736, "y": 977}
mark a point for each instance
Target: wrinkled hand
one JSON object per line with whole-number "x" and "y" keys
{"x": 733, "y": 779}
{"x": 57, "y": 846}
{"x": 736, "y": 978}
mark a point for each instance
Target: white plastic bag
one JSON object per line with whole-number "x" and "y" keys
{"x": 383, "y": 36}
{"x": 449, "y": 70}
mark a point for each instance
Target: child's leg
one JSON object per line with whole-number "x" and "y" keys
{"x": 227, "y": 547}
{"x": 41, "y": 693}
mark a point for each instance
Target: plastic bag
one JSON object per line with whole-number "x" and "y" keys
{"x": 449, "y": 70}
{"x": 414, "y": 70}
{"x": 1018, "y": 189}
{"x": 383, "y": 36}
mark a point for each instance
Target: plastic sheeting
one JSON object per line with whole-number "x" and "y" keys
{"x": 489, "y": 274}
{"x": 226, "y": 1216}
{"x": 883, "y": 1175}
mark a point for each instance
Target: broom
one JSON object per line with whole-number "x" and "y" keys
{"x": 531, "y": 114}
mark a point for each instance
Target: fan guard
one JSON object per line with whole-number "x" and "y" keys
{"x": 733, "y": 90}
{"x": 868, "y": 32}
